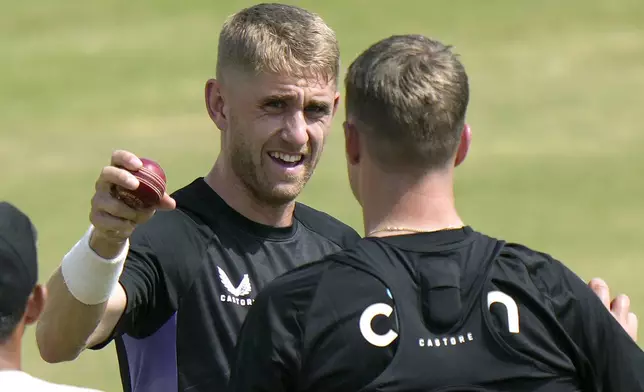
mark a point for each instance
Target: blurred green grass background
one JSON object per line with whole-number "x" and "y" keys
{"x": 557, "y": 95}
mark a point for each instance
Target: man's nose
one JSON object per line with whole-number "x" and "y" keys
{"x": 296, "y": 129}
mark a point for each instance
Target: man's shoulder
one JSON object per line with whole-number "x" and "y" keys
{"x": 326, "y": 226}
{"x": 298, "y": 282}
{"x": 331, "y": 272}
{"x": 188, "y": 202}
{"x": 525, "y": 255}
{"x": 299, "y": 286}
{"x": 186, "y": 215}
{"x": 531, "y": 258}
{"x": 519, "y": 262}
{"x": 174, "y": 240}
{"x": 181, "y": 222}
{"x": 166, "y": 229}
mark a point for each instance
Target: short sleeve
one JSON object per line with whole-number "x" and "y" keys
{"x": 154, "y": 275}
{"x": 151, "y": 297}
{"x": 616, "y": 360}
{"x": 266, "y": 357}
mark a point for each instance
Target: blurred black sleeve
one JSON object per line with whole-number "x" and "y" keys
{"x": 617, "y": 362}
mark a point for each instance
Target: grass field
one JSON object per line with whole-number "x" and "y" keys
{"x": 557, "y": 95}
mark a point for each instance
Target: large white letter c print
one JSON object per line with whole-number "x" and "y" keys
{"x": 365, "y": 325}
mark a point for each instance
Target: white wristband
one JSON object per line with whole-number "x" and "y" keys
{"x": 89, "y": 277}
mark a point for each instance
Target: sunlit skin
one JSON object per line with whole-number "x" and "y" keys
{"x": 11, "y": 349}
{"x": 273, "y": 131}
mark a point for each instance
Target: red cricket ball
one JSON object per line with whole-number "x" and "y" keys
{"x": 152, "y": 185}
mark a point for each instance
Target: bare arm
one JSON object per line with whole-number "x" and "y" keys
{"x": 69, "y": 325}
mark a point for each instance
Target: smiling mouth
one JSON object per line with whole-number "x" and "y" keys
{"x": 288, "y": 160}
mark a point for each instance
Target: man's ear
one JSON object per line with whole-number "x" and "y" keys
{"x": 215, "y": 104}
{"x": 336, "y": 103}
{"x": 35, "y": 304}
{"x": 351, "y": 143}
{"x": 464, "y": 146}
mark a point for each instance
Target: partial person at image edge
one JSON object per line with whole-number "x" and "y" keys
{"x": 21, "y": 300}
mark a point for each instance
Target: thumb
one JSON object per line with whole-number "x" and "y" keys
{"x": 601, "y": 289}
{"x": 167, "y": 203}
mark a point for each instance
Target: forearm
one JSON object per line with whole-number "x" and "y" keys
{"x": 85, "y": 302}
{"x": 66, "y": 325}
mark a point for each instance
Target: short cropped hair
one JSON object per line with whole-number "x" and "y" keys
{"x": 410, "y": 94}
{"x": 278, "y": 39}
{"x": 9, "y": 322}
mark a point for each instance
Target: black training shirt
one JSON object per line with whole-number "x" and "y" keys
{"x": 191, "y": 276}
{"x": 452, "y": 310}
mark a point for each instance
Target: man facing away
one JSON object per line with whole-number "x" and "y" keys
{"x": 21, "y": 300}
{"x": 425, "y": 302}
{"x": 174, "y": 292}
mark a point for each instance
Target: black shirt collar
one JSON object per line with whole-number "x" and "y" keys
{"x": 200, "y": 199}
{"x": 430, "y": 241}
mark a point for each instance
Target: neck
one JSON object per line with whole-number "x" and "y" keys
{"x": 10, "y": 357}
{"x": 397, "y": 204}
{"x": 236, "y": 194}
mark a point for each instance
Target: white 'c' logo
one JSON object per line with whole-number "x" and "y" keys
{"x": 510, "y": 305}
{"x": 365, "y": 325}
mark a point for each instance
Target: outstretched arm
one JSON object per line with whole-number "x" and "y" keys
{"x": 85, "y": 300}
{"x": 68, "y": 326}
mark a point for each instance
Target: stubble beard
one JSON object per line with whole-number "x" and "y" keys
{"x": 255, "y": 180}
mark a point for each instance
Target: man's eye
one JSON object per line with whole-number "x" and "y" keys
{"x": 275, "y": 104}
{"x": 318, "y": 110}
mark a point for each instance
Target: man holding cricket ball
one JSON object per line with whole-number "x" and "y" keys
{"x": 172, "y": 288}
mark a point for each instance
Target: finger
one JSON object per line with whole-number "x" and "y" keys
{"x": 107, "y": 203}
{"x": 112, "y": 226}
{"x": 126, "y": 159}
{"x": 601, "y": 290}
{"x": 111, "y": 175}
{"x": 125, "y": 211}
{"x": 124, "y": 217}
{"x": 633, "y": 325}
{"x": 167, "y": 202}
{"x": 621, "y": 307}
{"x": 144, "y": 214}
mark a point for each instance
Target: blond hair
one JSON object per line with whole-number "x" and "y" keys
{"x": 278, "y": 39}
{"x": 410, "y": 93}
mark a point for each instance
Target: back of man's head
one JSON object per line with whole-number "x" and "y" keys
{"x": 278, "y": 39}
{"x": 18, "y": 267}
{"x": 409, "y": 95}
